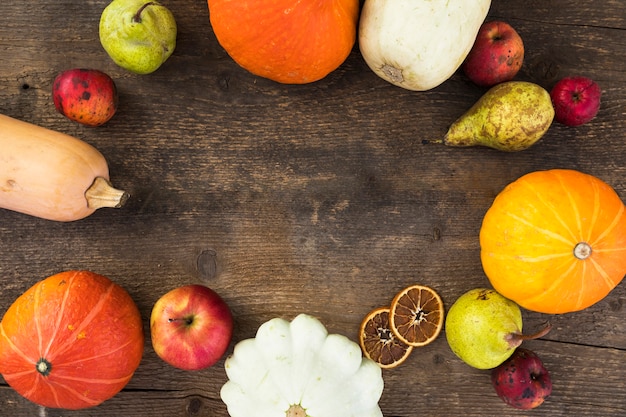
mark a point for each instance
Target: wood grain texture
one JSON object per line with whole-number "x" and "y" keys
{"x": 318, "y": 198}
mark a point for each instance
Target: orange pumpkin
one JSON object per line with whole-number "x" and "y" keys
{"x": 555, "y": 241}
{"x": 71, "y": 341}
{"x": 289, "y": 41}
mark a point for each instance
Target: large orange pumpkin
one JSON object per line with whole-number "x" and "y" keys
{"x": 555, "y": 241}
{"x": 71, "y": 341}
{"x": 289, "y": 41}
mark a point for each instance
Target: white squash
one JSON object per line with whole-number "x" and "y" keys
{"x": 297, "y": 369}
{"x": 419, "y": 44}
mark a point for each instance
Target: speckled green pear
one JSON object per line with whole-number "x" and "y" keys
{"x": 138, "y": 35}
{"x": 510, "y": 116}
{"x": 482, "y": 328}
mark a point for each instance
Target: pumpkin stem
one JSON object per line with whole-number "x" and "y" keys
{"x": 43, "y": 367}
{"x": 102, "y": 194}
{"x": 582, "y": 250}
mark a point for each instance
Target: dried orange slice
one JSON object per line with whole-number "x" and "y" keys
{"x": 416, "y": 315}
{"x": 378, "y": 341}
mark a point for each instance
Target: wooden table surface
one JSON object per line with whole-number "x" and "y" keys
{"x": 317, "y": 198}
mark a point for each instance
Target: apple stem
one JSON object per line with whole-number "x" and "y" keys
{"x": 187, "y": 320}
{"x": 137, "y": 16}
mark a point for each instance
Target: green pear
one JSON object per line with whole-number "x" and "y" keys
{"x": 483, "y": 328}
{"x": 138, "y": 35}
{"x": 510, "y": 116}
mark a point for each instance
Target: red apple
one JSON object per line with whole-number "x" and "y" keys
{"x": 522, "y": 381}
{"x": 576, "y": 100}
{"x": 497, "y": 54}
{"x": 191, "y": 327}
{"x": 86, "y": 96}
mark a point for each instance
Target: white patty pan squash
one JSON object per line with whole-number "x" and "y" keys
{"x": 297, "y": 369}
{"x": 419, "y": 44}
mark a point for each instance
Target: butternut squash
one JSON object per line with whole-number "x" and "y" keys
{"x": 52, "y": 175}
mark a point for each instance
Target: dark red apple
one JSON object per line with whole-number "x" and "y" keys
{"x": 576, "y": 100}
{"x": 497, "y": 54}
{"x": 191, "y": 327}
{"x": 522, "y": 381}
{"x": 86, "y": 96}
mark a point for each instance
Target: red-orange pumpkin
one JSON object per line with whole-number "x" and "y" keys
{"x": 289, "y": 41}
{"x": 555, "y": 241}
{"x": 71, "y": 341}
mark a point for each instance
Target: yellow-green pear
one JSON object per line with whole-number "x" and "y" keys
{"x": 510, "y": 116}
{"x": 138, "y": 35}
{"x": 483, "y": 328}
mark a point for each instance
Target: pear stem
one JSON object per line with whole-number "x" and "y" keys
{"x": 516, "y": 339}
{"x": 537, "y": 334}
{"x": 137, "y": 16}
{"x": 429, "y": 141}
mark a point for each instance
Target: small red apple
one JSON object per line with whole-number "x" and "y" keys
{"x": 522, "y": 381}
{"x": 497, "y": 54}
{"x": 86, "y": 96}
{"x": 191, "y": 327}
{"x": 576, "y": 100}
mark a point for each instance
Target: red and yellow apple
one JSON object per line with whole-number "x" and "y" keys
{"x": 576, "y": 100}
{"x": 86, "y": 96}
{"x": 191, "y": 327}
{"x": 522, "y": 381}
{"x": 497, "y": 54}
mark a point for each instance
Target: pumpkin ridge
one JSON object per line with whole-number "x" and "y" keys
{"x": 553, "y": 210}
{"x": 595, "y": 216}
{"x": 34, "y": 389}
{"x": 575, "y": 208}
{"x": 60, "y": 315}
{"x": 15, "y": 349}
{"x": 67, "y": 389}
{"x": 554, "y": 288}
{"x": 37, "y": 319}
{"x": 104, "y": 355}
{"x": 93, "y": 313}
{"x": 543, "y": 231}
{"x": 72, "y": 391}
{"x": 99, "y": 381}
{"x": 607, "y": 230}
{"x": 610, "y": 250}
{"x": 525, "y": 258}
{"x": 610, "y": 283}
{"x": 20, "y": 374}
{"x": 584, "y": 283}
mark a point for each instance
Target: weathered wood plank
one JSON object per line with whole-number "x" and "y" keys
{"x": 318, "y": 198}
